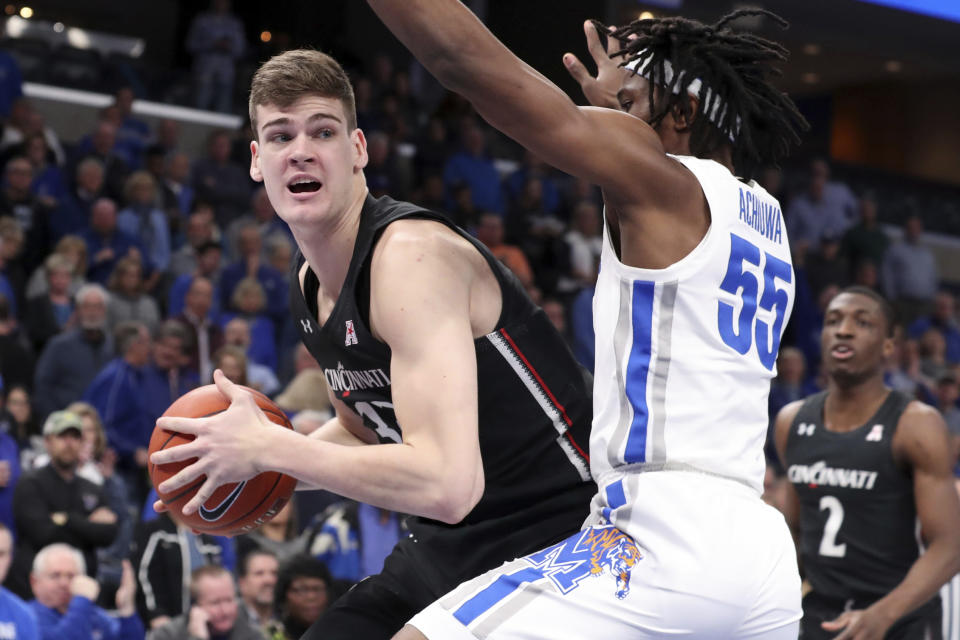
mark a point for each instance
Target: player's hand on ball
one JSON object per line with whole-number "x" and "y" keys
{"x": 866, "y": 624}
{"x": 226, "y": 445}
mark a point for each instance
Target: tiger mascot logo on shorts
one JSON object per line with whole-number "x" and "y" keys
{"x": 614, "y": 551}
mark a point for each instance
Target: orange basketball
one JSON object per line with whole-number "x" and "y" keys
{"x": 234, "y": 508}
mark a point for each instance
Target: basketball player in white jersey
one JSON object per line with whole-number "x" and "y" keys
{"x": 695, "y": 288}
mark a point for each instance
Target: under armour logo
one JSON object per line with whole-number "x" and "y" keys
{"x": 351, "y": 337}
{"x": 305, "y": 323}
{"x": 806, "y": 429}
{"x": 876, "y": 433}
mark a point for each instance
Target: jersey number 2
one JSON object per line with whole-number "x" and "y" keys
{"x": 828, "y": 544}
{"x": 744, "y": 284}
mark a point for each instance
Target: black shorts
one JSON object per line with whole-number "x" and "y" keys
{"x": 376, "y": 608}
{"x": 926, "y": 623}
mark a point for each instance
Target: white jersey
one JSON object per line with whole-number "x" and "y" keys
{"x": 685, "y": 354}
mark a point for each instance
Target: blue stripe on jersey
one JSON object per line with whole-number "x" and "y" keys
{"x": 615, "y": 498}
{"x": 638, "y": 368}
{"x": 497, "y": 591}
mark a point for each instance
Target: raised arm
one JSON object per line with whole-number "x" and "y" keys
{"x": 617, "y": 151}
{"x": 420, "y": 306}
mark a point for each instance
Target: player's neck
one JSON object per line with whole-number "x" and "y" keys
{"x": 849, "y": 407}
{"x": 328, "y": 248}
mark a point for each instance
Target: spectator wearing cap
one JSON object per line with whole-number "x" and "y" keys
{"x": 65, "y": 597}
{"x": 910, "y": 277}
{"x": 17, "y": 620}
{"x": 71, "y": 359}
{"x": 54, "y": 504}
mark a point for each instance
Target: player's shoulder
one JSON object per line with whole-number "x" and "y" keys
{"x": 788, "y": 413}
{"x": 420, "y": 240}
{"x": 921, "y": 432}
{"x": 919, "y": 416}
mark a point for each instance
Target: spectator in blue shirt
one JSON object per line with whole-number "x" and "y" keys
{"x": 106, "y": 243}
{"x": 142, "y": 219}
{"x": 65, "y": 597}
{"x": 472, "y": 166}
{"x": 17, "y": 620}
{"x": 251, "y": 263}
{"x": 9, "y": 474}
{"x": 11, "y": 82}
{"x": 943, "y": 318}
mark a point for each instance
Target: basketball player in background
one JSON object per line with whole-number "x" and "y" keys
{"x": 475, "y": 413}
{"x": 865, "y": 463}
{"x": 694, "y": 290}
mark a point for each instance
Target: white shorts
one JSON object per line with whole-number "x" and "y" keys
{"x": 602, "y": 583}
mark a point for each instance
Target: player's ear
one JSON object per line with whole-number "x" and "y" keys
{"x": 683, "y": 121}
{"x": 889, "y": 347}
{"x": 359, "y": 142}
{"x": 255, "y": 172}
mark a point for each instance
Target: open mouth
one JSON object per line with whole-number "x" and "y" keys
{"x": 841, "y": 352}
{"x": 304, "y": 185}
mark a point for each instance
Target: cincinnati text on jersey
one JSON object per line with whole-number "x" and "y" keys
{"x": 341, "y": 379}
{"x": 819, "y": 473}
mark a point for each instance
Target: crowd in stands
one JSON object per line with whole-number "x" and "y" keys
{"x": 130, "y": 270}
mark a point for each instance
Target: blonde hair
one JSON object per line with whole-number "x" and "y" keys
{"x": 87, "y": 410}
{"x": 136, "y": 180}
{"x": 70, "y": 243}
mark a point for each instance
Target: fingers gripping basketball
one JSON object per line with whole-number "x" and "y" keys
{"x": 233, "y": 508}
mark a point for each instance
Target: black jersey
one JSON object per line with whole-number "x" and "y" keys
{"x": 534, "y": 412}
{"x": 858, "y": 520}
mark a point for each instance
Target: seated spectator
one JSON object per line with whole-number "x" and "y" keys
{"x": 207, "y": 335}
{"x": 353, "y": 539}
{"x": 279, "y": 254}
{"x": 167, "y": 135}
{"x": 23, "y": 122}
{"x": 200, "y": 233}
{"x": 73, "y": 358}
{"x": 943, "y": 318}
{"x": 279, "y": 535}
{"x": 490, "y": 233}
{"x": 12, "y": 273}
{"x": 903, "y": 369}
{"x": 176, "y": 192}
{"x": 16, "y": 357}
{"x": 867, "y": 274}
{"x": 72, "y": 214}
{"x": 208, "y": 268}
{"x": 826, "y": 207}
{"x": 221, "y": 182}
{"x": 9, "y": 474}
{"x": 101, "y": 145}
{"x": 33, "y": 216}
{"x": 128, "y": 299}
{"x": 433, "y": 149}
{"x": 98, "y": 465}
{"x": 106, "y": 243}
{"x": 384, "y": 171}
{"x": 866, "y": 240}
{"x": 262, "y": 217}
{"x": 258, "y": 376}
{"x": 49, "y": 184}
{"x": 132, "y": 133}
{"x": 584, "y": 242}
{"x": 256, "y": 579}
{"x": 825, "y": 265}
{"x": 307, "y": 391}
{"x": 167, "y": 377}
{"x": 65, "y": 597}
{"x": 947, "y": 395}
{"x": 74, "y": 250}
{"x": 22, "y": 424}
{"x": 215, "y": 612}
{"x": 54, "y": 504}
{"x": 249, "y": 302}
{"x": 251, "y": 265}
{"x": 50, "y": 313}
{"x": 933, "y": 357}
{"x": 117, "y": 392}
{"x": 166, "y": 553}
{"x": 17, "y": 620}
{"x": 142, "y": 219}
{"x": 304, "y": 591}
{"x": 534, "y": 168}
{"x": 474, "y": 167}
{"x": 910, "y": 277}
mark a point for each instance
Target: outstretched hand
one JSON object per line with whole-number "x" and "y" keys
{"x": 600, "y": 90}
{"x": 227, "y": 445}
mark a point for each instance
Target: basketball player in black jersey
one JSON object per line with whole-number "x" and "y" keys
{"x": 864, "y": 464}
{"x": 477, "y": 412}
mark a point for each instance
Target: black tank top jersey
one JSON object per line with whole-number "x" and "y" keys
{"x": 857, "y": 513}
{"x": 534, "y": 412}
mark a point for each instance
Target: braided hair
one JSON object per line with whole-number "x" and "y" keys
{"x": 735, "y": 70}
